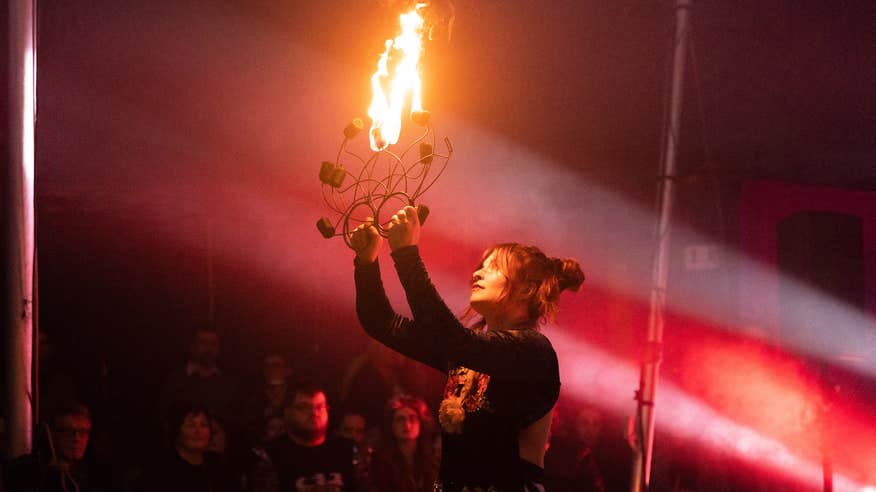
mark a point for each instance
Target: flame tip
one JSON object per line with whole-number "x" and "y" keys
{"x": 403, "y": 52}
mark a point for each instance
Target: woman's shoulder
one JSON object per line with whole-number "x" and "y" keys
{"x": 531, "y": 338}
{"x": 531, "y": 349}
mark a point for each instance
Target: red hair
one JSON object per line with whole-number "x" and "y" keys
{"x": 534, "y": 279}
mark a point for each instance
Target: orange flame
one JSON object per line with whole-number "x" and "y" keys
{"x": 404, "y": 52}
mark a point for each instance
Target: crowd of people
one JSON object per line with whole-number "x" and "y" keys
{"x": 279, "y": 437}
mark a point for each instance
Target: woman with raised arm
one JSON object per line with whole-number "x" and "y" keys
{"x": 503, "y": 376}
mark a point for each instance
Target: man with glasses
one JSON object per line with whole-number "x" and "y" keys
{"x": 59, "y": 464}
{"x": 71, "y": 430}
{"x": 305, "y": 459}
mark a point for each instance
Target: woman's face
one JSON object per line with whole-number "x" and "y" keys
{"x": 488, "y": 285}
{"x": 405, "y": 424}
{"x": 194, "y": 434}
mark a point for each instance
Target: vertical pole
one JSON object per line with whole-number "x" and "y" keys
{"x": 641, "y": 476}
{"x": 211, "y": 283}
{"x": 826, "y": 425}
{"x": 18, "y": 362}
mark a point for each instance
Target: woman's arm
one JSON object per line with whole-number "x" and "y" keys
{"x": 494, "y": 352}
{"x": 375, "y": 312}
{"x": 383, "y": 324}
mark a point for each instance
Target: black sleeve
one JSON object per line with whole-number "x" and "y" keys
{"x": 383, "y": 324}
{"x": 492, "y": 352}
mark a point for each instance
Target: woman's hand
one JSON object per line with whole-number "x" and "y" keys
{"x": 366, "y": 241}
{"x": 404, "y": 228}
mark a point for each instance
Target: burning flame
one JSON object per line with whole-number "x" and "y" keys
{"x": 404, "y": 52}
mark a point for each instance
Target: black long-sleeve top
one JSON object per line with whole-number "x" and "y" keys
{"x": 502, "y": 381}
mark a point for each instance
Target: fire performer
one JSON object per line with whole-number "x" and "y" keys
{"x": 503, "y": 376}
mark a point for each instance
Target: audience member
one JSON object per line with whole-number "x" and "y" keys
{"x": 188, "y": 466}
{"x": 304, "y": 459}
{"x": 405, "y": 460}
{"x": 352, "y": 427}
{"x": 583, "y": 456}
{"x": 59, "y": 464}
{"x": 270, "y": 398}
{"x": 261, "y": 476}
{"x": 201, "y": 380}
{"x": 275, "y": 366}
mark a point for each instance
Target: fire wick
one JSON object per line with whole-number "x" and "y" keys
{"x": 383, "y": 183}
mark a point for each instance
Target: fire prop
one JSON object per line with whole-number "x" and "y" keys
{"x": 385, "y": 182}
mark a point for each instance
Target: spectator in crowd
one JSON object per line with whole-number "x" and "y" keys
{"x": 405, "y": 460}
{"x": 261, "y": 476}
{"x": 275, "y": 366}
{"x": 583, "y": 454}
{"x": 59, "y": 464}
{"x": 201, "y": 380}
{"x": 270, "y": 398}
{"x": 189, "y": 466}
{"x": 352, "y": 427}
{"x": 304, "y": 459}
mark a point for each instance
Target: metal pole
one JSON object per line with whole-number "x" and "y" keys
{"x": 641, "y": 476}
{"x": 211, "y": 283}
{"x": 19, "y": 208}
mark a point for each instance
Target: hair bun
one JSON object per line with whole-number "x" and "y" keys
{"x": 569, "y": 274}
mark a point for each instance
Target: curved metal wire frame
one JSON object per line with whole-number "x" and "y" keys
{"x": 383, "y": 179}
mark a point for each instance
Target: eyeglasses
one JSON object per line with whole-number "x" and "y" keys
{"x": 406, "y": 418}
{"x": 73, "y": 432}
{"x": 305, "y": 408}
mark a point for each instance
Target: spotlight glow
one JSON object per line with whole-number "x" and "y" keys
{"x": 592, "y": 375}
